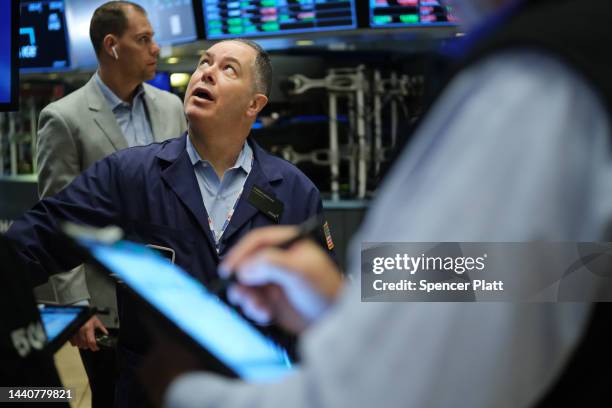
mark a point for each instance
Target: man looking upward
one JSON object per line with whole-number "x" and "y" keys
{"x": 192, "y": 197}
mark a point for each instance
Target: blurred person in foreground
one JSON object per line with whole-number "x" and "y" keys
{"x": 515, "y": 148}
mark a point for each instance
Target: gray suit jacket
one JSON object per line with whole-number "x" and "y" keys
{"x": 73, "y": 133}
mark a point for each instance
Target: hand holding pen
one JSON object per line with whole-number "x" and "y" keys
{"x": 281, "y": 276}
{"x": 308, "y": 229}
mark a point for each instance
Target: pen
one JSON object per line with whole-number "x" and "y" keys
{"x": 305, "y": 230}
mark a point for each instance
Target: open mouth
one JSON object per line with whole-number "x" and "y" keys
{"x": 204, "y": 94}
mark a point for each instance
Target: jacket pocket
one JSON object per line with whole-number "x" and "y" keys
{"x": 173, "y": 244}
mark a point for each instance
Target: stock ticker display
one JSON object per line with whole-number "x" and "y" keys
{"x": 403, "y": 13}
{"x": 42, "y": 35}
{"x": 246, "y": 18}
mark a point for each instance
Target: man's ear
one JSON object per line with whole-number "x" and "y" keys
{"x": 108, "y": 43}
{"x": 257, "y": 104}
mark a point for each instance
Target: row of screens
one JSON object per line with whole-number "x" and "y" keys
{"x": 54, "y": 34}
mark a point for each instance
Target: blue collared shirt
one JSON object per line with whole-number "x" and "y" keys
{"x": 220, "y": 196}
{"x": 132, "y": 118}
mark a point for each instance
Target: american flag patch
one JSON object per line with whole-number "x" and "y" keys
{"x": 328, "y": 238}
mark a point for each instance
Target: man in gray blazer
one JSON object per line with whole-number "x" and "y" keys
{"x": 113, "y": 111}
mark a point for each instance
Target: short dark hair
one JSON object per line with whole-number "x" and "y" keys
{"x": 263, "y": 66}
{"x": 110, "y": 18}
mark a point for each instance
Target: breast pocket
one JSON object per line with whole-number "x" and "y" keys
{"x": 175, "y": 245}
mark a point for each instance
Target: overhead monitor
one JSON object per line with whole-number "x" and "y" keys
{"x": 42, "y": 36}
{"x": 9, "y": 77}
{"x": 407, "y": 13}
{"x": 248, "y": 18}
{"x": 172, "y": 20}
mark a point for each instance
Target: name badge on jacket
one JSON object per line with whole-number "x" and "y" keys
{"x": 267, "y": 204}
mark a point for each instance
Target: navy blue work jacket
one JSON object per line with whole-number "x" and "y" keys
{"x": 152, "y": 193}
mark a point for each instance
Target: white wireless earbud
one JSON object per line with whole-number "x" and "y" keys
{"x": 114, "y": 48}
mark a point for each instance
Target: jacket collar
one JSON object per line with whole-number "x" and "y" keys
{"x": 113, "y": 100}
{"x": 180, "y": 177}
{"x": 264, "y": 175}
{"x": 174, "y": 148}
{"x": 155, "y": 117}
{"x": 243, "y": 161}
{"x": 105, "y": 118}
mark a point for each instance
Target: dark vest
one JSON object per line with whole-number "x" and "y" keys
{"x": 577, "y": 33}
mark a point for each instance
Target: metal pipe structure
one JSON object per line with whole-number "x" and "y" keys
{"x": 352, "y": 151}
{"x": 337, "y": 82}
{"x": 334, "y": 150}
{"x": 12, "y": 137}
{"x": 33, "y": 133}
{"x": 361, "y": 135}
{"x": 378, "y": 91}
{"x": 394, "y": 85}
{"x": 317, "y": 156}
{"x": 366, "y": 144}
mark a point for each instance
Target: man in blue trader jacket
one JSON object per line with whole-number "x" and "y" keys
{"x": 193, "y": 196}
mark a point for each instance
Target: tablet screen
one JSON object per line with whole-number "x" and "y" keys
{"x": 203, "y": 316}
{"x": 57, "y": 319}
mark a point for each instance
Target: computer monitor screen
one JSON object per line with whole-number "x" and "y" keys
{"x": 61, "y": 322}
{"x": 55, "y": 320}
{"x": 42, "y": 35}
{"x": 228, "y": 19}
{"x": 161, "y": 80}
{"x": 407, "y": 13}
{"x": 9, "y": 78}
{"x": 172, "y": 20}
